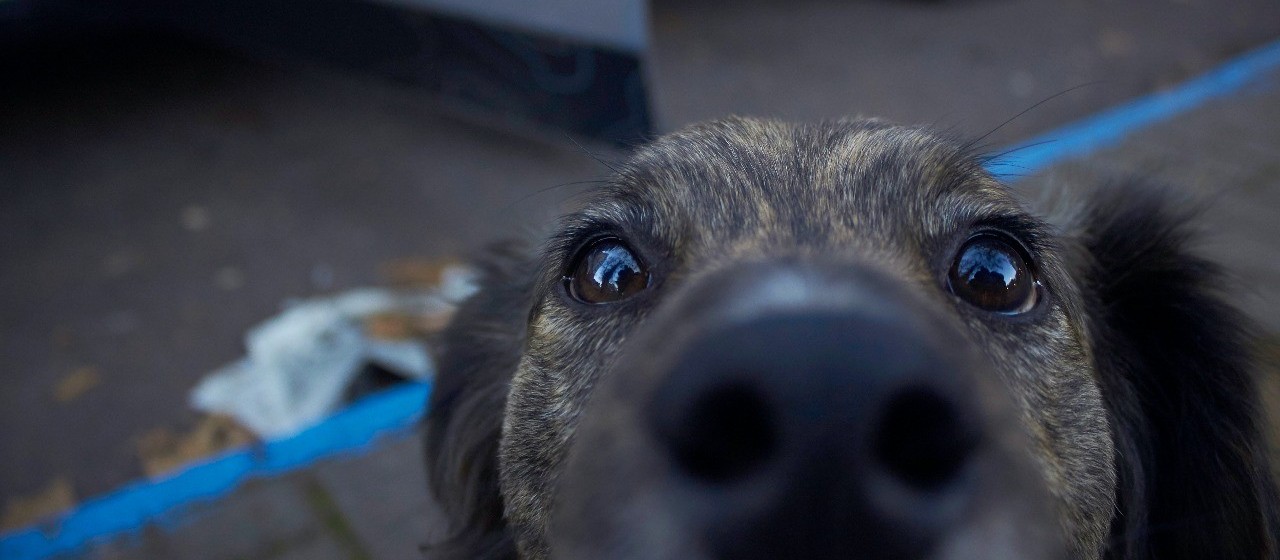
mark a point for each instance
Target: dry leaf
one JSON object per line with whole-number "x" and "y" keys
{"x": 58, "y": 496}
{"x": 78, "y": 383}
{"x": 434, "y": 322}
{"x": 395, "y": 326}
{"x": 389, "y": 326}
{"x": 162, "y": 451}
{"x": 1115, "y": 43}
{"x": 416, "y": 272}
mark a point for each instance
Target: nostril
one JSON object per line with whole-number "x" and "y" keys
{"x": 725, "y": 433}
{"x": 923, "y": 440}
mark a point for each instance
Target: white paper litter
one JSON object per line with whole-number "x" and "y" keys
{"x": 300, "y": 362}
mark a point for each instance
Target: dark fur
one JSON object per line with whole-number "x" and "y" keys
{"x": 1172, "y": 360}
{"x": 464, "y": 421}
{"x": 1194, "y": 480}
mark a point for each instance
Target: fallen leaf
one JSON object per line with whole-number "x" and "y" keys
{"x": 162, "y": 451}
{"x": 120, "y": 263}
{"x": 394, "y": 326}
{"x": 195, "y": 218}
{"x": 21, "y": 511}
{"x": 62, "y": 337}
{"x": 75, "y": 384}
{"x": 229, "y": 278}
{"x": 415, "y": 271}
{"x": 1115, "y": 43}
{"x": 433, "y": 322}
{"x": 389, "y": 326}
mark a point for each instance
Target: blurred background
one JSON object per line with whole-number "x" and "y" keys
{"x": 175, "y": 173}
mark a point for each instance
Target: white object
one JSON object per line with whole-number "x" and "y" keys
{"x": 300, "y": 362}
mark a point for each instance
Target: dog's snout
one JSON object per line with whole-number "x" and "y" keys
{"x": 856, "y": 419}
{"x": 792, "y": 409}
{"x": 923, "y": 440}
{"x": 724, "y": 434}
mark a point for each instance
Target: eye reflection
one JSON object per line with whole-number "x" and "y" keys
{"x": 987, "y": 267}
{"x": 614, "y": 262}
{"x": 605, "y": 272}
{"x": 989, "y": 273}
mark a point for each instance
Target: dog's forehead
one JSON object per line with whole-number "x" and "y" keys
{"x": 756, "y": 183}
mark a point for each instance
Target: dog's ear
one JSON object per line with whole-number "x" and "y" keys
{"x": 481, "y": 350}
{"x": 1175, "y": 363}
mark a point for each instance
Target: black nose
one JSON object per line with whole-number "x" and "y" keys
{"x": 818, "y": 435}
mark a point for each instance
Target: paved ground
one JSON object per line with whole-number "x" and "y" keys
{"x": 169, "y": 197}
{"x": 159, "y": 198}
{"x": 967, "y": 64}
{"x": 363, "y": 507}
{"x": 1226, "y": 155}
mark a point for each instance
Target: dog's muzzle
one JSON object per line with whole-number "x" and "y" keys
{"x": 787, "y": 409}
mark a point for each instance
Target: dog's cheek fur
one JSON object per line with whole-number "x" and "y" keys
{"x": 1173, "y": 361}
{"x": 464, "y": 420}
{"x": 566, "y": 352}
{"x": 1051, "y": 381}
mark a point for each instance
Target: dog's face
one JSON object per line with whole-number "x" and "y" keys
{"x": 764, "y": 340}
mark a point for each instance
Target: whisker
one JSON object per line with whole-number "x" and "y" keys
{"x": 969, "y": 145}
{"x": 612, "y": 167}
{"x": 990, "y": 159}
{"x": 544, "y": 190}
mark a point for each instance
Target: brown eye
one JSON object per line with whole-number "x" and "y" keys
{"x": 606, "y": 271}
{"x": 991, "y": 274}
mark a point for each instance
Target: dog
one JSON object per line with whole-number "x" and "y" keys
{"x": 848, "y": 340}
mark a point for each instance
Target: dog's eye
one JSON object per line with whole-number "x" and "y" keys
{"x": 992, "y": 274}
{"x": 606, "y": 271}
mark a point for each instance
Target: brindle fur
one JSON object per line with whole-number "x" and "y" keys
{"x": 1132, "y": 379}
